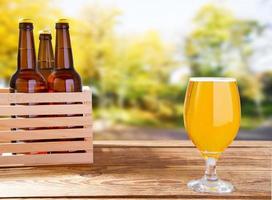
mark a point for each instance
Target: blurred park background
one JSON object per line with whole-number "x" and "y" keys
{"x": 138, "y": 55}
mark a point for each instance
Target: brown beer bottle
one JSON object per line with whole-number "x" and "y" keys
{"x": 64, "y": 78}
{"x": 45, "y": 55}
{"x": 27, "y": 79}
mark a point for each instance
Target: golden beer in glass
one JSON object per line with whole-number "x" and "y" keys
{"x": 212, "y": 119}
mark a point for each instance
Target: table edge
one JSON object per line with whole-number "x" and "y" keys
{"x": 173, "y": 143}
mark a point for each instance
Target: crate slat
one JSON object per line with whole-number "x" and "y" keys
{"x": 6, "y": 136}
{"x": 4, "y": 90}
{"x": 9, "y": 123}
{"x": 44, "y": 146}
{"x": 44, "y": 109}
{"x": 58, "y": 97}
{"x": 46, "y": 159}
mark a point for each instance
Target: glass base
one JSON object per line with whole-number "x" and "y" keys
{"x": 217, "y": 186}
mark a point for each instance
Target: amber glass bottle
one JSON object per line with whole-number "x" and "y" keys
{"x": 27, "y": 79}
{"x": 64, "y": 77}
{"x": 45, "y": 56}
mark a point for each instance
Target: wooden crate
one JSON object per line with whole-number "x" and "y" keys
{"x": 28, "y": 128}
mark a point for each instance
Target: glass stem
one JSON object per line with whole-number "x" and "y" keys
{"x": 210, "y": 173}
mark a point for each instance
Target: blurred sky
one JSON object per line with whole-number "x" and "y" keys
{"x": 173, "y": 18}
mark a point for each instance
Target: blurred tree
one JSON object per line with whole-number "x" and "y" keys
{"x": 124, "y": 71}
{"x": 96, "y": 48}
{"x": 266, "y": 80}
{"x": 220, "y": 41}
{"x": 43, "y": 14}
{"x": 146, "y": 64}
{"x": 222, "y": 45}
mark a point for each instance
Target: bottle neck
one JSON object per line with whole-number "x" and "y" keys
{"x": 45, "y": 55}
{"x": 26, "y": 52}
{"x": 63, "y": 55}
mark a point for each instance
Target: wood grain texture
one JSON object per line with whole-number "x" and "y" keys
{"x": 143, "y": 172}
{"x": 105, "y": 198}
{"x": 174, "y": 143}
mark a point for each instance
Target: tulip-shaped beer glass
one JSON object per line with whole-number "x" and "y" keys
{"x": 212, "y": 119}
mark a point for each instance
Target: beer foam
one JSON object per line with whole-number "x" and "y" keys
{"x": 212, "y": 79}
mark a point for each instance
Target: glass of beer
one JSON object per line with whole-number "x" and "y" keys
{"x": 212, "y": 119}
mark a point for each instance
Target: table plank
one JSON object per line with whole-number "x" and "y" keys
{"x": 217, "y": 198}
{"x": 174, "y": 143}
{"x": 147, "y": 169}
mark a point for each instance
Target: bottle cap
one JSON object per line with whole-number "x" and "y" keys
{"x": 62, "y": 23}
{"x": 62, "y": 20}
{"x": 25, "y": 23}
{"x": 25, "y": 20}
{"x": 45, "y": 34}
{"x": 46, "y": 30}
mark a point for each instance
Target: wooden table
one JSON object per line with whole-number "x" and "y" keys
{"x": 144, "y": 170}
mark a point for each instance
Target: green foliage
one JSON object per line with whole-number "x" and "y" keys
{"x": 220, "y": 43}
{"x": 266, "y": 80}
{"x": 125, "y": 71}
